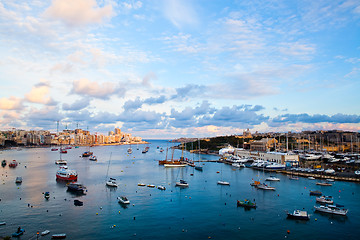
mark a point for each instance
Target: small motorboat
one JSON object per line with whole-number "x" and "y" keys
{"x": 47, "y": 195}
{"x": 311, "y": 178}
{"x": 93, "y": 158}
{"x": 223, "y": 183}
{"x": 151, "y": 185}
{"x": 357, "y": 172}
{"x": 2, "y": 223}
{"x": 297, "y": 214}
{"x": 87, "y": 154}
{"x": 315, "y": 193}
{"x": 13, "y": 164}
{"x": 141, "y": 184}
{"x": 272, "y": 178}
{"x": 323, "y": 184}
{"x": 59, "y": 236}
{"x": 325, "y": 199}
{"x": 78, "y": 202}
{"x": 199, "y": 168}
{"x": 61, "y": 162}
{"x": 123, "y": 200}
{"x": 263, "y": 186}
{"x": 3, "y": 163}
{"x": 18, "y": 180}
{"x": 182, "y": 183}
{"x": 111, "y": 182}
{"x": 246, "y": 203}
{"x": 161, "y": 187}
{"x": 76, "y": 187}
{"x": 46, "y": 232}
{"x": 18, "y": 233}
{"x": 293, "y": 178}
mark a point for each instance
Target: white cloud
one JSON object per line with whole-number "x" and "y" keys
{"x": 10, "y": 103}
{"x": 180, "y": 13}
{"x": 79, "y": 12}
{"x": 40, "y": 93}
{"x": 98, "y": 90}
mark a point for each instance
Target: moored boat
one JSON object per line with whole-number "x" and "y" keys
{"x": 223, "y": 183}
{"x": 331, "y": 209}
{"x": 18, "y": 180}
{"x": 246, "y": 203}
{"x": 61, "y": 162}
{"x": 3, "y": 163}
{"x": 13, "y": 164}
{"x": 161, "y": 187}
{"x": 87, "y": 154}
{"x": 297, "y": 214}
{"x": 76, "y": 187}
{"x": 263, "y": 186}
{"x": 18, "y": 233}
{"x": 151, "y": 185}
{"x": 199, "y": 168}
{"x": 272, "y": 178}
{"x": 123, "y": 200}
{"x": 323, "y": 184}
{"x": 174, "y": 165}
{"x": 111, "y": 182}
{"x": 47, "y": 195}
{"x": 66, "y": 174}
{"x": 325, "y": 199}
{"x": 58, "y": 236}
{"x": 182, "y": 183}
{"x": 93, "y": 158}
{"x": 45, "y": 232}
{"x": 78, "y": 202}
{"x": 315, "y": 193}
{"x": 141, "y": 184}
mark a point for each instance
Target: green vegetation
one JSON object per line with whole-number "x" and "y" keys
{"x": 216, "y": 143}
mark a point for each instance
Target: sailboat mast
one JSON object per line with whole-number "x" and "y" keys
{"x": 107, "y": 173}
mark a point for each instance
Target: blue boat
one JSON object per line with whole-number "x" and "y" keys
{"x": 18, "y": 233}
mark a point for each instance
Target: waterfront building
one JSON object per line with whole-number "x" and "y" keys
{"x": 277, "y": 157}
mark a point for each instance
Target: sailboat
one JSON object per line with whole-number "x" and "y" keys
{"x": 61, "y": 161}
{"x": 174, "y": 163}
{"x": 221, "y": 182}
{"x": 199, "y": 167}
{"x": 112, "y": 181}
{"x": 129, "y": 150}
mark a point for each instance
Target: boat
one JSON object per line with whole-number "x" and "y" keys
{"x": 275, "y": 166}
{"x": 54, "y": 149}
{"x": 45, "y": 232}
{"x": 329, "y": 171}
{"x": 293, "y": 178}
{"x": 315, "y": 193}
{"x": 325, "y": 199}
{"x": 151, "y": 185}
{"x": 93, "y": 158}
{"x": 323, "y": 184}
{"x": 263, "y": 186}
{"x": 3, "y": 163}
{"x": 141, "y": 184}
{"x": 87, "y": 154}
{"x": 66, "y": 174}
{"x": 199, "y": 168}
{"x": 238, "y": 165}
{"x": 18, "y": 180}
{"x": 272, "y": 178}
{"x": 255, "y": 183}
{"x": 129, "y": 151}
{"x": 297, "y": 214}
{"x": 182, "y": 183}
{"x": 168, "y": 165}
{"x": 111, "y": 182}
{"x": 357, "y": 172}
{"x": 18, "y": 233}
{"x": 63, "y": 150}
{"x": 47, "y": 195}
{"x": 58, "y": 236}
{"x": 78, "y": 202}
{"x": 246, "y": 203}
{"x": 76, "y": 187}
{"x": 161, "y": 187}
{"x": 2, "y": 223}
{"x": 311, "y": 178}
{"x": 331, "y": 209}
{"x": 223, "y": 183}
{"x": 123, "y": 200}
{"x": 61, "y": 162}
{"x": 330, "y": 180}
{"x": 13, "y": 164}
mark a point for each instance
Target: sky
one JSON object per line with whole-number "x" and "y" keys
{"x": 180, "y": 68}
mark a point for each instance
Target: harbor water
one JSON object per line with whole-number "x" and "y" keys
{"x": 203, "y": 210}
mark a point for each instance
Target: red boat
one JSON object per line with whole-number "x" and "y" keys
{"x": 13, "y": 164}
{"x": 63, "y": 150}
{"x": 66, "y": 174}
{"x": 54, "y": 149}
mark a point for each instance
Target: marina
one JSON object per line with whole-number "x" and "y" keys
{"x": 177, "y": 212}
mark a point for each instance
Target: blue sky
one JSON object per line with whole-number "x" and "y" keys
{"x": 180, "y": 68}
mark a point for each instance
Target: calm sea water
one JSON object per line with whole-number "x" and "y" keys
{"x": 202, "y": 211}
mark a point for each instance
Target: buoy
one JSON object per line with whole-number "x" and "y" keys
{"x": 114, "y": 225}
{"x": 315, "y": 219}
{"x": 288, "y": 231}
{"x": 97, "y": 214}
{"x": 134, "y": 218}
{"x": 119, "y": 212}
{"x": 101, "y": 208}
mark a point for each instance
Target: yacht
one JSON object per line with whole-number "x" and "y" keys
{"x": 275, "y": 166}
{"x": 264, "y": 187}
{"x": 76, "y": 187}
{"x": 297, "y": 214}
{"x": 325, "y": 199}
{"x": 223, "y": 183}
{"x": 182, "y": 183}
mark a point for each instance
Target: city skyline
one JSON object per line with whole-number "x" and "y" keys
{"x": 170, "y": 68}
